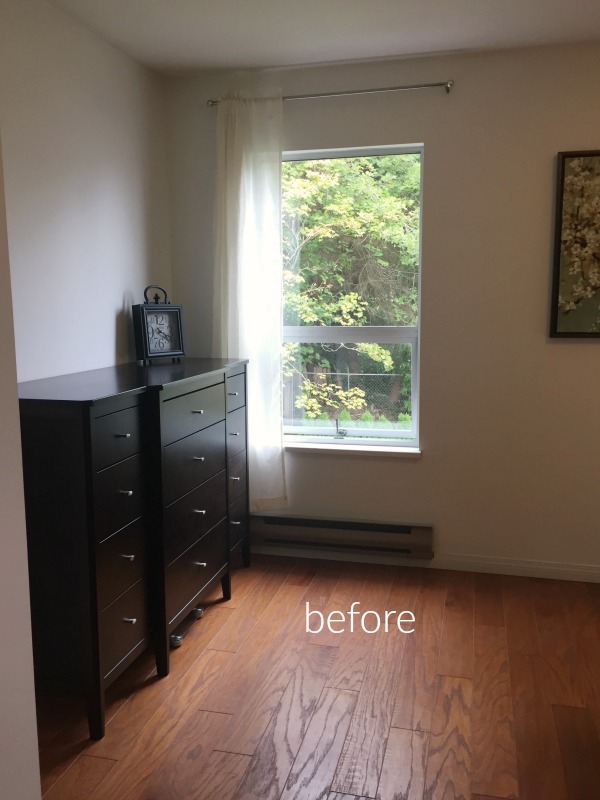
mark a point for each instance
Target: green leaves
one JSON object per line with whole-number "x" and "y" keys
{"x": 351, "y": 228}
{"x": 351, "y": 258}
{"x": 319, "y": 397}
{"x": 379, "y": 354}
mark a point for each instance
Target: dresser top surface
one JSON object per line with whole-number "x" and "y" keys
{"x": 97, "y": 384}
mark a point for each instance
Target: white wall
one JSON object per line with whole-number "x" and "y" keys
{"x": 19, "y": 771}
{"x": 509, "y": 421}
{"x": 85, "y": 189}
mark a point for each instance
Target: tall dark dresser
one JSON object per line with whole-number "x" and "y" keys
{"x": 126, "y": 476}
{"x": 190, "y": 510}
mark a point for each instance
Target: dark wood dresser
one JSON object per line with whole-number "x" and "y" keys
{"x": 127, "y": 473}
{"x": 237, "y": 463}
{"x": 190, "y": 426}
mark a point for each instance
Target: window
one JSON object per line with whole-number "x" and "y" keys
{"x": 351, "y": 254}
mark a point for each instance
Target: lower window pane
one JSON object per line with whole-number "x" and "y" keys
{"x": 348, "y": 391}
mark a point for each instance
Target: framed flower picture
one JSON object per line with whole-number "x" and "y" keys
{"x": 576, "y": 279}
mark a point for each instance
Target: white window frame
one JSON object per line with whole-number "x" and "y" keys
{"x": 350, "y": 334}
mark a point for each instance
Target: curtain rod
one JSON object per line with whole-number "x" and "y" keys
{"x": 447, "y": 85}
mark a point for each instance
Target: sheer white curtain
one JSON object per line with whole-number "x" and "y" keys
{"x": 248, "y": 277}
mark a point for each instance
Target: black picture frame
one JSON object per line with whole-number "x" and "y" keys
{"x": 575, "y": 303}
{"x": 146, "y": 346}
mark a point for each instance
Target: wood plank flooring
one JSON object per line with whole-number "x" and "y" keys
{"x": 494, "y": 696}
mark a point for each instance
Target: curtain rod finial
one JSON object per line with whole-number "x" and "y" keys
{"x": 212, "y": 103}
{"x": 449, "y": 86}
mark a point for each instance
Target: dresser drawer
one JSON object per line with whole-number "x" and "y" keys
{"x": 117, "y": 496}
{"x": 115, "y": 437}
{"x": 120, "y": 562}
{"x": 187, "y": 576}
{"x": 236, "y": 477}
{"x": 188, "y": 413}
{"x": 193, "y": 460}
{"x": 238, "y": 521}
{"x": 236, "y": 432}
{"x": 122, "y": 626}
{"x": 193, "y": 515}
{"x": 235, "y": 391}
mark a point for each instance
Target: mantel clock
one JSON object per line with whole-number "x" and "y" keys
{"x": 157, "y": 327}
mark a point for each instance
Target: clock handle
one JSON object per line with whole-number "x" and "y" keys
{"x": 155, "y": 298}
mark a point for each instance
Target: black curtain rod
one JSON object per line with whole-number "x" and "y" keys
{"x": 447, "y": 85}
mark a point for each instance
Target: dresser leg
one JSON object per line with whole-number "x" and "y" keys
{"x": 162, "y": 667}
{"x": 226, "y": 586}
{"x": 96, "y": 715}
{"x": 246, "y": 552}
{"x": 162, "y": 656}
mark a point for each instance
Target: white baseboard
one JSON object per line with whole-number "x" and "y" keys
{"x": 519, "y": 566}
{"x": 458, "y": 561}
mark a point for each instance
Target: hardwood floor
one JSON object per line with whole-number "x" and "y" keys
{"x": 496, "y": 694}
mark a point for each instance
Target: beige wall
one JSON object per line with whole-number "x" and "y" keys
{"x": 509, "y": 469}
{"x": 85, "y": 179}
{"x": 18, "y": 750}
{"x": 509, "y": 427}
{"x": 85, "y": 189}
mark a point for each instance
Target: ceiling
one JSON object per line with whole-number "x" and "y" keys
{"x": 176, "y": 35}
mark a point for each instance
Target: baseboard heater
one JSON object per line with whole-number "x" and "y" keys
{"x": 275, "y": 530}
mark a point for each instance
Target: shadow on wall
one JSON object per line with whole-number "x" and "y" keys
{"x": 124, "y": 342}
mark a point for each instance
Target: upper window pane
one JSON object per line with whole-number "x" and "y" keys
{"x": 351, "y": 240}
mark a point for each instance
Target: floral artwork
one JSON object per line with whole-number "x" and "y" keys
{"x": 576, "y": 287}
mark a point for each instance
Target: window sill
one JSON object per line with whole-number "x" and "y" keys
{"x": 344, "y": 449}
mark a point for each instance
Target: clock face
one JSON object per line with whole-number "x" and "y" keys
{"x": 163, "y": 332}
{"x": 158, "y": 330}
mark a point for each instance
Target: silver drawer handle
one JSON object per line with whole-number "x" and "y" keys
{"x": 235, "y": 522}
{"x": 199, "y": 510}
{"x": 124, "y": 555}
{"x": 233, "y": 394}
{"x": 122, "y": 436}
{"x": 235, "y": 479}
{"x": 200, "y": 564}
{"x": 127, "y": 492}
{"x": 234, "y": 434}
{"x": 198, "y": 411}
{"x": 198, "y": 458}
{"x": 130, "y": 620}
